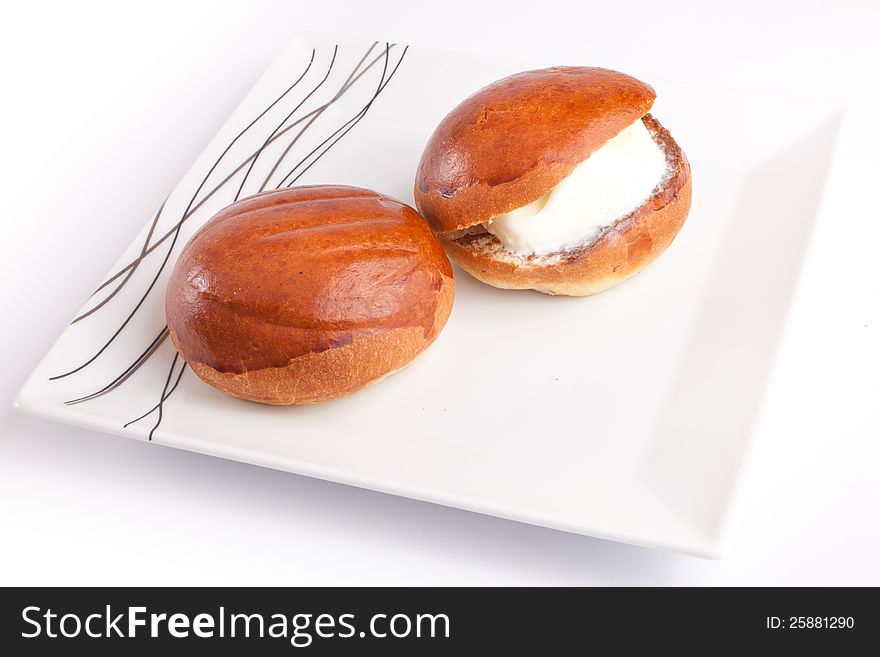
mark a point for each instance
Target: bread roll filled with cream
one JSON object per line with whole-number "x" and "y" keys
{"x": 557, "y": 180}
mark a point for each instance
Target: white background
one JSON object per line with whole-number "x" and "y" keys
{"x": 105, "y": 106}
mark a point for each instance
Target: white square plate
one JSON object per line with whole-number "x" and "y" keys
{"x": 625, "y": 416}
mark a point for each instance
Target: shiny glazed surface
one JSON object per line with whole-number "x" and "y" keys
{"x": 302, "y": 270}
{"x": 510, "y": 142}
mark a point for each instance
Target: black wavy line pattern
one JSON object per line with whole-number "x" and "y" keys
{"x": 216, "y": 188}
{"x": 285, "y": 119}
{"x": 131, "y": 271}
{"x": 176, "y": 232}
{"x": 351, "y": 123}
{"x": 285, "y": 126}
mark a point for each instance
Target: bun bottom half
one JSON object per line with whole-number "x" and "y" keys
{"x": 337, "y": 372}
{"x": 620, "y": 251}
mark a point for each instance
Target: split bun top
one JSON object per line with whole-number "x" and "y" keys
{"x": 512, "y": 141}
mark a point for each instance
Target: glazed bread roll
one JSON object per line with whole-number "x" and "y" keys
{"x": 307, "y": 294}
{"x": 556, "y": 180}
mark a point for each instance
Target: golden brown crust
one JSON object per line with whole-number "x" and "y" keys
{"x": 511, "y": 142}
{"x": 308, "y": 294}
{"x": 622, "y": 250}
{"x": 330, "y": 374}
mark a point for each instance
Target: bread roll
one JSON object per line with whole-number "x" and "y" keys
{"x": 514, "y": 141}
{"x": 307, "y": 294}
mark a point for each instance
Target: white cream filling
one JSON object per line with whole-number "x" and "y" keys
{"x": 608, "y": 185}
